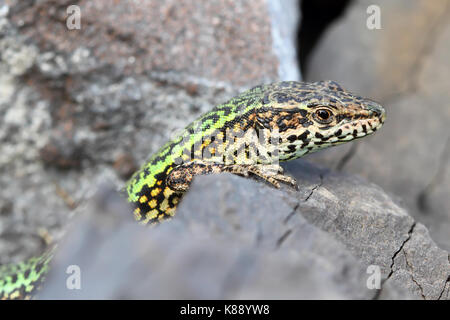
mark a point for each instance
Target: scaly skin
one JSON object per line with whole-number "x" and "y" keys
{"x": 21, "y": 280}
{"x": 247, "y": 135}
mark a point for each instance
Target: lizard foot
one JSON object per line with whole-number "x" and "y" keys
{"x": 270, "y": 173}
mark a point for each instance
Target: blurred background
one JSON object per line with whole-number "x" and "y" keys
{"x": 87, "y": 94}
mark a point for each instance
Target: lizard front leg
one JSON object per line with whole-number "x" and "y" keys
{"x": 272, "y": 174}
{"x": 180, "y": 177}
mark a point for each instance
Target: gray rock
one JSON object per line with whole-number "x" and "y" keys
{"x": 285, "y": 19}
{"x": 381, "y": 63}
{"x": 378, "y": 231}
{"x": 73, "y": 105}
{"x": 404, "y": 65}
{"x": 82, "y": 106}
{"x": 234, "y": 238}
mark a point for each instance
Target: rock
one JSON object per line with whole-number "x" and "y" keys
{"x": 404, "y": 66}
{"x": 234, "y": 238}
{"x": 378, "y": 231}
{"x": 175, "y": 36}
{"x": 74, "y": 102}
{"x": 381, "y": 63}
{"x": 285, "y": 19}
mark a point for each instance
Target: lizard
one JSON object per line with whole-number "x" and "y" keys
{"x": 248, "y": 135}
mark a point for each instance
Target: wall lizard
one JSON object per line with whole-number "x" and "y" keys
{"x": 247, "y": 136}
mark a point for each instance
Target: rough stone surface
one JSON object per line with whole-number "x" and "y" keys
{"x": 377, "y": 230}
{"x": 212, "y": 40}
{"x": 236, "y": 238}
{"x": 405, "y": 67}
{"x": 82, "y": 106}
{"x": 74, "y": 103}
{"x": 285, "y": 16}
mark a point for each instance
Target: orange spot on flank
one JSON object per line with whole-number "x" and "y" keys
{"x": 152, "y": 203}
{"x": 155, "y": 192}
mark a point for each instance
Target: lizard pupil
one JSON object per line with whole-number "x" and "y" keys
{"x": 323, "y": 114}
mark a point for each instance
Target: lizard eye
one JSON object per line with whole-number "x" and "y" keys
{"x": 323, "y": 116}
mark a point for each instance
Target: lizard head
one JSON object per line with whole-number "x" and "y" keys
{"x": 313, "y": 116}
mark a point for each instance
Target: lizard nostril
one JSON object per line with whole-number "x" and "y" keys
{"x": 376, "y": 109}
{"x": 377, "y": 112}
{"x": 380, "y": 114}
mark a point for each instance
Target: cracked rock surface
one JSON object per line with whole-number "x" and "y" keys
{"x": 89, "y": 105}
{"x": 377, "y": 230}
{"x": 238, "y": 238}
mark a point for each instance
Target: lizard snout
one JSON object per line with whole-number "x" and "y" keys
{"x": 376, "y": 109}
